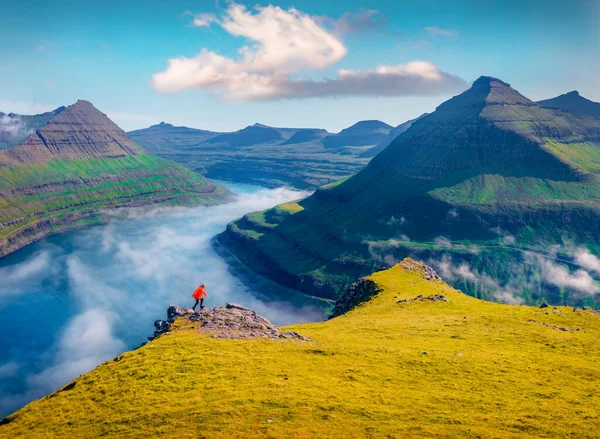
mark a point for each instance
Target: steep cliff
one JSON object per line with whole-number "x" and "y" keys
{"x": 81, "y": 168}
{"x": 490, "y": 180}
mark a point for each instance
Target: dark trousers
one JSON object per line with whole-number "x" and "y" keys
{"x": 201, "y": 301}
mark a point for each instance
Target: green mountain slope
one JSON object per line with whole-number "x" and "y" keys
{"x": 418, "y": 359}
{"x": 491, "y": 185}
{"x": 257, "y": 154}
{"x": 77, "y": 170}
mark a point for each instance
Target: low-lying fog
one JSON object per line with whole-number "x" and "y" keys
{"x": 75, "y": 300}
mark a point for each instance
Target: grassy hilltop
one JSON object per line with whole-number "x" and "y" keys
{"x": 393, "y": 367}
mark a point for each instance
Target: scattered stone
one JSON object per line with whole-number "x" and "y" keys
{"x": 231, "y": 321}
{"x": 558, "y": 328}
{"x": 543, "y": 305}
{"x": 421, "y": 298}
{"x": 427, "y": 272}
{"x": 459, "y": 355}
{"x": 270, "y": 420}
{"x": 424, "y": 353}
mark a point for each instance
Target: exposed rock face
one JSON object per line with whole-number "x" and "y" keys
{"x": 79, "y": 131}
{"x": 80, "y": 168}
{"x": 359, "y": 292}
{"x": 426, "y": 271}
{"x": 231, "y": 321}
{"x": 363, "y": 290}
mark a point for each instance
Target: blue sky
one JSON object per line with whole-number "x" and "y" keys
{"x": 395, "y": 63}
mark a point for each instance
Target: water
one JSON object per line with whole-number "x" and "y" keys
{"x": 75, "y": 300}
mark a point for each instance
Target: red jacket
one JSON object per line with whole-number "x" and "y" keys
{"x": 199, "y": 293}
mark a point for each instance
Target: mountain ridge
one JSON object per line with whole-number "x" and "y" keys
{"x": 486, "y": 164}
{"x": 573, "y": 102}
{"x": 81, "y": 168}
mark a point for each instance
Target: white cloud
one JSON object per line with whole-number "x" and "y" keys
{"x": 8, "y": 369}
{"x": 438, "y": 31}
{"x": 16, "y": 279}
{"x": 25, "y": 107}
{"x": 560, "y": 276}
{"x": 203, "y": 20}
{"x": 283, "y": 44}
{"x": 584, "y": 258}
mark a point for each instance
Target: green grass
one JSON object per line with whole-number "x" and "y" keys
{"x": 36, "y": 200}
{"x": 489, "y": 372}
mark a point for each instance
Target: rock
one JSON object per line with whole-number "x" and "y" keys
{"x": 161, "y": 326}
{"x": 359, "y": 292}
{"x": 421, "y": 298}
{"x": 427, "y": 272}
{"x": 543, "y": 305}
{"x": 231, "y": 321}
{"x": 172, "y": 313}
{"x": 424, "y": 353}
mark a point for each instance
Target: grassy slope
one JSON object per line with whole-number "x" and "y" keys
{"x": 302, "y": 165}
{"x": 469, "y": 168}
{"x": 37, "y": 200}
{"x": 489, "y": 372}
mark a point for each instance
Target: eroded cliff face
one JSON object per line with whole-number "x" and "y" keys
{"x": 79, "y": 131}
{"x": 80, "y": 169}
{"x": 486, "y": 166}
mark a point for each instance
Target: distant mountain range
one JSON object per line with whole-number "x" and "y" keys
{"x": 393, "y": 133}
{"x": 491, "y": 185}
{"x": 305, "y": 158}
{"x": 76, "y": 168}
{"x": 573, "y": 102}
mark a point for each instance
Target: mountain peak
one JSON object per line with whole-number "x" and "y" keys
{"x": 490, "y": 81}
{"x": 573, "y": 102}
{"x": 486, "y": 90}
{"x": 80, "y": 130}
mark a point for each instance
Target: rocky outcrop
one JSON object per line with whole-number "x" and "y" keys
{"x": 231, "y": 321}
{"x": 359, "y": 292}
{"x": 363, "y": 290}
{"x": 425, "y": 271}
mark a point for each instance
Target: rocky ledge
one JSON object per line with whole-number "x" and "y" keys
{"x": 363, "y": 290}
{"x": 231, "y": 321}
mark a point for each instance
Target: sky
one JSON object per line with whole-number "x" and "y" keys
{"x": 223, "y": 65}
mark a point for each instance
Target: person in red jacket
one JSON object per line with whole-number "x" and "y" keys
{"x": 199, "y": 295}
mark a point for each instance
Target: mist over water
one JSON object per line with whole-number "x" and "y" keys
{"x": 75, "y": 300}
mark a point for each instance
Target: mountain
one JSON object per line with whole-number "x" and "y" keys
{"x": 79, "y": 169}
{"x": 366, "y": 132}
{"x": 409, "y": 357}
{"x": 165, "y": 136}
{"x": 251, "y": 135}
{"x": 252, "y": 155}
{"x": 394, "y": 132}
{"x": 306, "y": 136}
{"x": 14, "y": 128}
{"x": 573, "y": 102}
{"x": 500, "y": 191}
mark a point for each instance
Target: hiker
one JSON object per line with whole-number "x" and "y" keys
{"x": 199, "y": 295}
